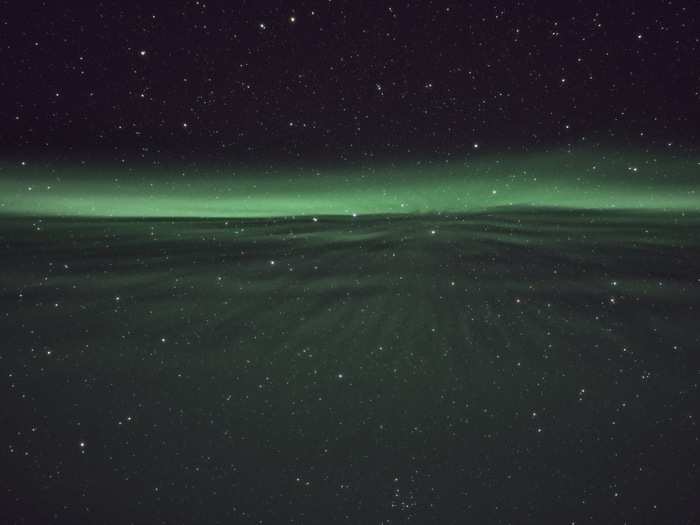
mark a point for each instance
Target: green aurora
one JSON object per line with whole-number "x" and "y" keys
{"x": 234, "y": 359}
{"x": 568, "y": 180}
{"x": 171, "y": 345}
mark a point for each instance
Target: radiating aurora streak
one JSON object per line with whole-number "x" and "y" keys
{"x": 362, "y": 346}
{"x": 567, "y": 180}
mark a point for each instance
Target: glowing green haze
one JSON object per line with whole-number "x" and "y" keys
{"x": 570, "y": 180}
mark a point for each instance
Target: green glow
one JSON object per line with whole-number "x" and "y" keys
{"x": 369, "y": 344}
{"x": 568, "y": 180}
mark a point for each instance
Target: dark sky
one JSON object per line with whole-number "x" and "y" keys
{"x": 343, "y": 80}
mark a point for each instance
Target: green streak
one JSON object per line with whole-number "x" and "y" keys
{"x": 581, "y": 180}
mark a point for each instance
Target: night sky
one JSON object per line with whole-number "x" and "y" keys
{"x": 337, "y": 81}
{"x": 359, "y": 263}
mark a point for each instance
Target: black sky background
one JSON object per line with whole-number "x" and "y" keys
{"x": 335, "y": 80}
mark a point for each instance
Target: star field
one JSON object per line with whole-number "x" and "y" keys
{"x": 338, "y": 81}
{"x": 412, "y": 369}
{"x": 349, "y": 262}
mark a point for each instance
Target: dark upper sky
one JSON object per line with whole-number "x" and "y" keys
{"x": 337, "y": 80}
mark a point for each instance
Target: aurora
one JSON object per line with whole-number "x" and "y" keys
{"x": 333, "y": 262}
{"x": 581, "y": 180}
